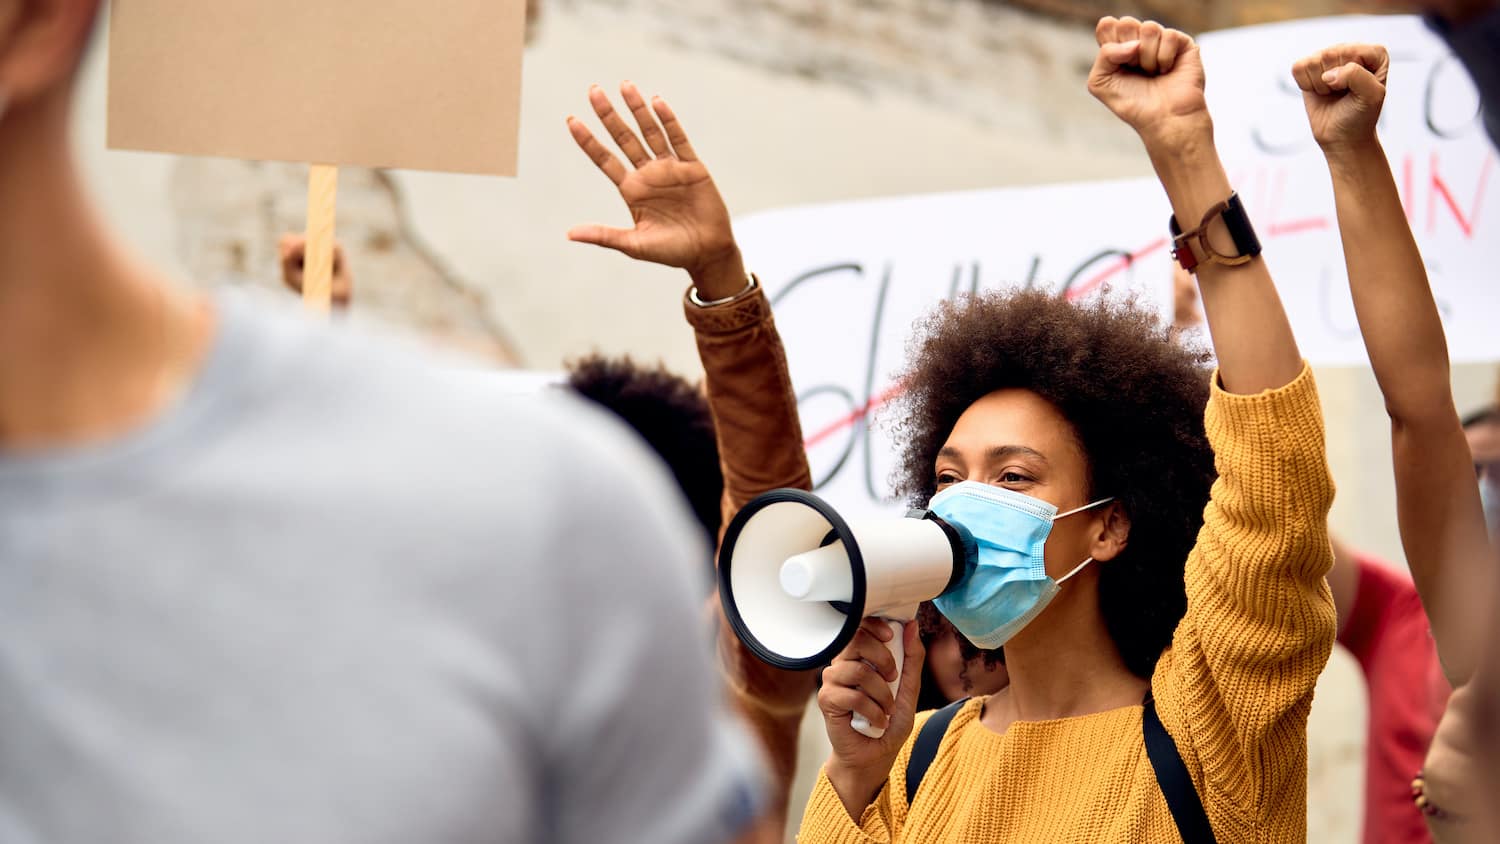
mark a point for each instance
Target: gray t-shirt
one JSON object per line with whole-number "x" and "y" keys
{"x": 332, "y": 597}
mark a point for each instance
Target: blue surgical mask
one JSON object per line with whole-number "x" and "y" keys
{"x": 1009, "y": 587}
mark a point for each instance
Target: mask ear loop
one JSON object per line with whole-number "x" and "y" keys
{"x": 1074, "y": 571}
{"x": 1070, "y": 513}
{"x": 1080, "y": 566}
{"x": 1084, "y": 507}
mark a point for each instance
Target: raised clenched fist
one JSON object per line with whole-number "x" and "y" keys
{"x": 1343, "y": 88}
{"x": 1150, "y": 77}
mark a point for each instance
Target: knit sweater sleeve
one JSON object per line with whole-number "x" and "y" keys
{"x": 826, "y": 821}
{"x": 1235, "y": 687}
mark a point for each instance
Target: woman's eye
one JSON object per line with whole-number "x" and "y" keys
{"x": 1014, "y": 478}
{"x": 946, "y": 478}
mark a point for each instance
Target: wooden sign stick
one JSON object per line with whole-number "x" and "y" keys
{"x": 317, "y": 262}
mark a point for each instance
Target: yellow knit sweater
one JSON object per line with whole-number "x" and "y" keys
{"x": 1233, "y": 689}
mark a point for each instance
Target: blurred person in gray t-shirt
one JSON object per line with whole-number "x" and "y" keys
{"x": 264, "y": 581}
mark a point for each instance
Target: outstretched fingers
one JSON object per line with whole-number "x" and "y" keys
{"x": 655, "y": 138}
{"x": 624, "y": 138}
{"x": 597, "y": 152}
{"x": 609, "y": 238}
{"x": 678, "y": 136}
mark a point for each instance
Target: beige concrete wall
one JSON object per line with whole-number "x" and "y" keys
{"x": 1191, "y": 15}
{"x": 790, "y": 101}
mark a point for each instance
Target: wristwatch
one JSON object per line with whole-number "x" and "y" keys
{"x": 1240, "y": 231}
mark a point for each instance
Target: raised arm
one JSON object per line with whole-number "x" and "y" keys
{"x": 1235, "y": 686}
{"x": 1437, "y": 499}
{"x": 681, "y": 221}
{"x": 1152, "y": 78}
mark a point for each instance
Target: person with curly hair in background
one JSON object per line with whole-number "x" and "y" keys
{"x": 1139, "y": 599}
{"x": 671, "y": 414}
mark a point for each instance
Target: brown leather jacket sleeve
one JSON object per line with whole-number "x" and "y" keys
{"x": 760, "y": 448}
{"x": 751, "y": 398}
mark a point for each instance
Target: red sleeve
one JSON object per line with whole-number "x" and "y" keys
{"x": 1388, "y": 633}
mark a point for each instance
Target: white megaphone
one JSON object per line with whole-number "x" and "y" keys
{"x": 796, "y": 579}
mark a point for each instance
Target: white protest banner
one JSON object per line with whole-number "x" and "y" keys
{"x": 1432, "y": 133}
{"x": 849, "y": 280}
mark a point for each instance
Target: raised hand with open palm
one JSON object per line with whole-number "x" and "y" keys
{"x": 680, "y": 219}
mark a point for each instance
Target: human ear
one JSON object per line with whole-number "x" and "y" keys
{"x": 41, "y": 44}
{"x": 1111, "y": 533}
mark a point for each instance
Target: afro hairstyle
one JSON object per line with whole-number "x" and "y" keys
{"x": 1135, "y": 401}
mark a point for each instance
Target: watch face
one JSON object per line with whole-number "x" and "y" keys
{"x": 1238, "y": 223}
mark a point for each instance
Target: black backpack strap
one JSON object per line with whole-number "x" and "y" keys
{"x": 1172, "y": 776}
{"x": 925, "y": 749}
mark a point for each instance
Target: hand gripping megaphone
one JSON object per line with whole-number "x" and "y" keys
{"x": 796, "y": 578}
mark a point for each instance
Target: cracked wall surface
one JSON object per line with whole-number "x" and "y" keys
{"x": 232, "y": 213}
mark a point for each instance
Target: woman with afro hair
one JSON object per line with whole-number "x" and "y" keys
{"x": 1152, "y": 545}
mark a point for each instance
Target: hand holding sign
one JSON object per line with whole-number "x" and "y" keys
{"x": 680, "y": 219}
{"x": 293, "y": 251}
{"x": 1343, "y": 88}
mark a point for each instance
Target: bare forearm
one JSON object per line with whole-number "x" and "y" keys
{"x": 856, "y": 789}
{"x": 1437, "y": 504}
{"x": 720, "y": 276}
{"x": 1443, "y": 533}
{"x": 1252, "y": 337}
{"x": 1392, "y": 299}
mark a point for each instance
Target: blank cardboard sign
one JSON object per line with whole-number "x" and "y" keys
{"x": 413, "y": 84}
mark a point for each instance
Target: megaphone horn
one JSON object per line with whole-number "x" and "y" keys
{"x": 796, "y": 579}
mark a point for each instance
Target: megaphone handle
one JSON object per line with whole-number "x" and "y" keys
{"x": 897, "y": 647}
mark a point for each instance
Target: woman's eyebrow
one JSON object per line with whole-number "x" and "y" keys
{"x": 999, "y": 452}
{"x": 1002, "y": 452}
